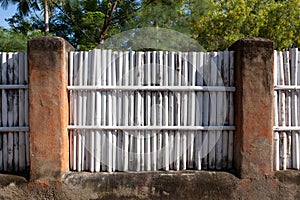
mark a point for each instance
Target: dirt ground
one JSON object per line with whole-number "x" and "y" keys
{"x": 17, "y": 187}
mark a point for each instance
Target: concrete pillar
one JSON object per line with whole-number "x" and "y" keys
{"x": 48, "y": 107}
{"x": 253, "y": 145}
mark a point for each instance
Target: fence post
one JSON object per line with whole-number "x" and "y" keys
{"x": 254, "y": 107}
{"x": 48, "y": 106}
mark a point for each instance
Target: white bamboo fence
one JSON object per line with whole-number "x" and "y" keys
{"x": 14, "y": 131}
{"x": 147, "y": 111}
{"x": 287, "y": 109}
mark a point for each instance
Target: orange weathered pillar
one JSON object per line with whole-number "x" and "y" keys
{"x": 254, "y": 107}
{"x": 48, "y": 106}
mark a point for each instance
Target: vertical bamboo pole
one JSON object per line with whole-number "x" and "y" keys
{"x": 91, "y": 118}
{"x": 109, "y": 112}
{"x": 177, "y": 122}
{"x": 295, "y": 108}
{"x": 184, "y": 110}
{"x": 104, "y": 110}
{"x": 10, "y": 112}
{"x": 159, "y": 107}
{"x": 199, "y": 111}
{"x": 220, "y": 111}
{"x": 172, "y": 74}
{"x": 278, "y": 79}
{"x": 114, "y": 112}
{"x": 297, "y": 151}
{"x": 231, "y": 110}
{"x": 148, "y": 152}
{"x": 166, "y": 146}
{"x": 16, "y": 112}
{"x": 282, "y": 119}
{"x": 98, "y": 110}
{"x": 77, "y": 111}
{"x": 125, "y": 115}
{"x": 73, "y": 112}
{"x": 120, "y": 99}
{"x": 85, "y": 133}
{"x": 276, "y": 116}
{"x": 288, "y": 100}
{"x": 131, "y": 112}
{"x": 226, "y": 82}
{"x": 142, "y": 114}
{"x": 22, "y": 147}
{"x": 4, "y": 109}
{"x": 206, "y": 103}
{"x": 154, "y": 112}
{"x": 139, "y": 111}
{"x": 213, "y": 112}
{"x": 81, "y": 113}
{"x": 276, "y": 134}
{"x": 276, "y": 151}
{"x": 27, "y": 147}
{"x": 284, "y": 150}
{"x": 87, "y": 97}
{"x": 192, "y": 64}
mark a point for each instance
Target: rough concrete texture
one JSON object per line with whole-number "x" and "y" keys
{"x": 154, "y": 185}
{"x": 48, "y": 106}
{"x": 254, "y": 107}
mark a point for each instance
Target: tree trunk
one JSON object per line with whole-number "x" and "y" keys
{"x": 46, "y": 17}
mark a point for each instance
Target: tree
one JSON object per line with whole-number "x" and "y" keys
{"x": 228, "y": 20}
{"x": 25, "y": 7}
{"x": 11, "y": 41}
{"x": 87, "y": 23}
{"x": 83, "y": 23}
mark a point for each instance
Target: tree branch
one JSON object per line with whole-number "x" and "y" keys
{"x": 107, "y": 22}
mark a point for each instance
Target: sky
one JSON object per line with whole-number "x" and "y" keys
{"x": 4, "y": 14}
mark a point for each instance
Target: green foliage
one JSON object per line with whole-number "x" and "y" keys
{"x": 230, "y": 20}
{"x": 216, "y": 24}
{"x": 25, "y": 25}
{"x": 171, "y": 14}
{"x": 11, "y": 41}
{"x": 176, "y": 15}
{"x": 164, "y": 14}
{"x": 82, "y": 22}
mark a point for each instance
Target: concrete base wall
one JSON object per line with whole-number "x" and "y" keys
{"x": 154, "y": 185}
{"x": 182, "y": 185}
